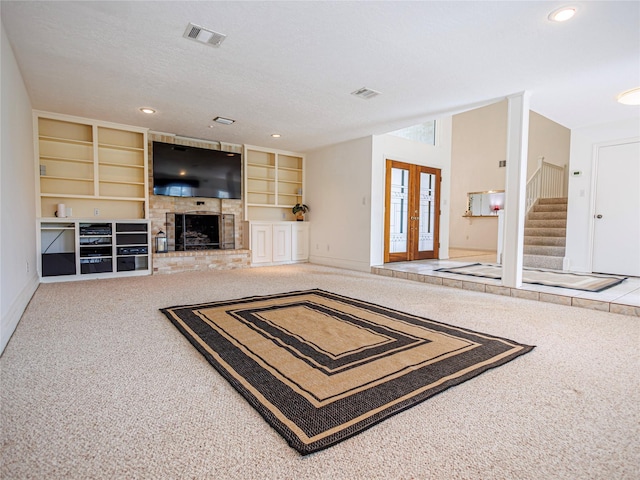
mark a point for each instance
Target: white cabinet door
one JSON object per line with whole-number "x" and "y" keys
{"x": 281, "y": 242}
{"x": 278, "y": 242}
{"x": 300, "y": 241}
{"x": 261, "y": 243}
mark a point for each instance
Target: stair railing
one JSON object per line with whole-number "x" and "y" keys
{"x": 546, "y": 182}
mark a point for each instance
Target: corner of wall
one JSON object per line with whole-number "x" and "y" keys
{"x": 17, "y": 195}
{"x": 10, "y": 320}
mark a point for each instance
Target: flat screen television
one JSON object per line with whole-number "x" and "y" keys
{"x": 180, "y": 171}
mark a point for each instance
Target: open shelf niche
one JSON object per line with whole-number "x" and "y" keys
{"x": 96, "y": 169}
{"x": 273, "y": 183}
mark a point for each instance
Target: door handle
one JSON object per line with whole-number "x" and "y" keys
{"x": 598, "y": 216}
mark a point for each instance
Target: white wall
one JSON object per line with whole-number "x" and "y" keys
{"x": 18, "y": 276}
{"x": 396, "y": 148}
{"x": 547, "y": 139}
{"x": 581, "y": 195}
{"x": 479, "y": 143}
{"x": 338, "y": 192}
{"x": 345, "y": 192}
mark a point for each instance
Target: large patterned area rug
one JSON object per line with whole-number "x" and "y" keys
{"x": 575, "y": 281}
{"x": 321, "y": 367}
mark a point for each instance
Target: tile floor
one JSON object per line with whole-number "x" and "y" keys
{"x": 623, "y": 298}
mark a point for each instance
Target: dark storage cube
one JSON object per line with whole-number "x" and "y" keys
{"x": 100, "y": 266}
{"x": 54, "y": 264}
{"x": 126, "y": 264}
{"x": 131, "y": 239}
{"x": 131, "y": 227}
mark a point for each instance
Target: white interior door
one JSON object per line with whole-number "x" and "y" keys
{"x": 616, "y": 233}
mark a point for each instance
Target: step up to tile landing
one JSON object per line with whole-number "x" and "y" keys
{"x": 529, "y": 292}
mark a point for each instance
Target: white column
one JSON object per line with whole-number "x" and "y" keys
{"x": 515, "y": 189}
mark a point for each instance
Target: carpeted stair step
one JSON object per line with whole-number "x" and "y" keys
{"x": 550, "y": 241}
{"x": 559, "y": 215}
{"x": 545, "y": 232}
{"x": 542, "y": 261}
{"x": 551, "y": 251}
{"x": 546, "y": 223}
{"x": 552, "y": 207}
{"x": 549, "y": 201}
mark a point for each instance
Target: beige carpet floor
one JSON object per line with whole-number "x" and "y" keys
{"x": 97, "y": 383}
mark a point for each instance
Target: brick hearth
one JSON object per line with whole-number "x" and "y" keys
{"x": 200, "y": 260}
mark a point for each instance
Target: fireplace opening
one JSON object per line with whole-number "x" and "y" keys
{"x": 200, "y": 231}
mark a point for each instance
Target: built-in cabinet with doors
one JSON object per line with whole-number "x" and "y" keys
{"x": 92, "y": 204}
{"x": 278, "y": 242}
{"x": 273, "y": 184}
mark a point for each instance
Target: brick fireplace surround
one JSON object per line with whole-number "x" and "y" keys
{"x": 159, "y": 206}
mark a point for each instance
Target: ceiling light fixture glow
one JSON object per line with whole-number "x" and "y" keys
{"x": 630, "y": 97}
{"x": 562, "y": 14}
{"x": 147, "y": 110}
{"x": 224, "y": 121}
{"x": 275, "y": 135}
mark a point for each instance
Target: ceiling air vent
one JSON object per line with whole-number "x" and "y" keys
{"x": 202, "y": 35}
{"x": 365, "y": 93}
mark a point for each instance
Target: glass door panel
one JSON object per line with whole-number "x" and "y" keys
{"x": 399, "y": 212}
{"x": 427, "y": 211}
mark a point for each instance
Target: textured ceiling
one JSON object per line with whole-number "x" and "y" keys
{"x": 289, "y": 67}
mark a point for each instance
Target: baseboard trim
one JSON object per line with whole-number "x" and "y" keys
{"x": 340, "y": 263}
{"x": 10, "y": 321}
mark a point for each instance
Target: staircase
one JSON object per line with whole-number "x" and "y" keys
{"x": 545, "y": 234}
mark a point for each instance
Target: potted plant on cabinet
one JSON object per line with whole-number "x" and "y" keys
{"x": 299, "y": 209}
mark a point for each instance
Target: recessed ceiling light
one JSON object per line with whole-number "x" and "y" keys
{"x": 147, "y": 110}
{"x": 630, "y": 97}
{"x": 275, "y": 135}
{"x": 224, "y": 121}
{"x": 562, "y": 14}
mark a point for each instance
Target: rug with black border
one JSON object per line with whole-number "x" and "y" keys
{"x": 588, "y": 282}
{"x": 321, "y": 367}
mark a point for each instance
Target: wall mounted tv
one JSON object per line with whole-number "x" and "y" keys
{"x": 180, "y": 171}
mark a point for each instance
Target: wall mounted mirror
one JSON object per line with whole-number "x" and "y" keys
{"x": 484, "y": 204}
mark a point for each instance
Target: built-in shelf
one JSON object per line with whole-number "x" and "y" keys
{"x": 91, "y": 166}
{"x": 65, "y": 140}
{"x": 84, "y": 248}
{"x": 274, "y": 183}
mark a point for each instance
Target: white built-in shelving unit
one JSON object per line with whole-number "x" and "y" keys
{"x": 98, "y": 171}
{"x": 273, "y": 184}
